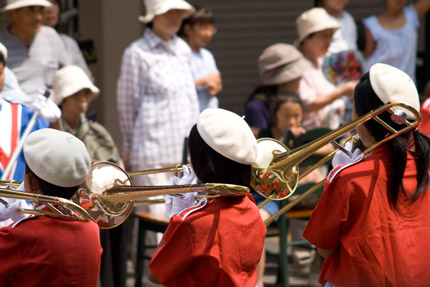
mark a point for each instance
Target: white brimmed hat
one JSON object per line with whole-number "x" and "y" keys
{"x": 16, "y": 4}
{"x": 69, "y": 80}
{"x": 159, "y": 7}
{"x": 57, "y": 157}
{"x": 228, "y": 134}
{"x": 281, "y": 63}
{"x": 392, "y": 85}
{"x": 312, "y": 21}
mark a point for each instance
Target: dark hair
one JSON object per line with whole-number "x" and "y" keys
{"x": 210, "y": 166}
{"x": 366, "y": 100}
{"x": 52, "y": 189}
{"x": 282, "y": 98}
{"x": 2, "y": 59}
{"x": 202, "y": 16}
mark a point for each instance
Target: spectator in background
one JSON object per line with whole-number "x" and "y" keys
{"x": 73, "y": 93}
{"x": 321, "y": 99}
{"x": 35, "y": 51}
{"x": 345, "y": 38}
{"x": 156, "y": 94}
{"x": 391, "y": 36}
{"x": 51, "y": 18}
{"x": 197, "y": 30}
{"x": 280, "y": 67}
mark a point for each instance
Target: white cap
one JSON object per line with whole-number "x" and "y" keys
{"x": 16, "y": 4}
{"x": 312, "y": 21}
{"x": 57, "y": 157}
{"x": 159, "y": 7}
{"x": 69, "y": 80}
{"x": 392, "y": 85}
{"x": 228, "y": 134}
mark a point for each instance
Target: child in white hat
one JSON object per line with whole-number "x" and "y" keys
{"x": 371, "y": 222}
{"x": 73, "y": 92}
{"x": 220, "y": 239}
{"x": 48, "y": 250}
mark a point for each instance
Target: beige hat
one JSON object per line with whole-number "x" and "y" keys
{"x": 159, "y": 7}
{"x": 281, "y": 63}
{"x": 228, "y": 134}
{"x": 312, "y": 21}
{"x": 16, "y": 4}
{"x": 3, "y": 50}
{"x": 69, "y": 80}
{"x": 57, "y": 157}
{"x": 392, "y": 85}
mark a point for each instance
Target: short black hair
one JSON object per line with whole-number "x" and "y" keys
{"x": 2, "y": 59}
{"x": 202, "y": 16}
{"x": 210, "y": 166}
{"x": 281, "y": 98}
{"x": 51, "y": 189}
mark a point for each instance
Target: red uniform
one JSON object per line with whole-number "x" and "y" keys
{"x": 375, "y": 245}
{"x": 50, "y": 251}
{"x": 425, "y": 113}
{"x": 217, "y": 244}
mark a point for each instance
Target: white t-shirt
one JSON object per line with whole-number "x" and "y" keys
{"x": 344, "y": 38}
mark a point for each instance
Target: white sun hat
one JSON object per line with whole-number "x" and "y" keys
{"x": 69, "y": 80}
{"x": 16, "y": 4}
{"x": 392, "y": 85}
{"x": 3, "y": 50}
{"x": 228, "y": 134}
{"x": 57, "y": 157}
{"x": 159, "y": 7}
{"x": 312, "y": 21}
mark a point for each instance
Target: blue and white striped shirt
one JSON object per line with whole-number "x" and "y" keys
{"x": 157, "y": 100}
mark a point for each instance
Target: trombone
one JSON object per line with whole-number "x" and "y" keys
{"x": 109, "y": 196}
{"x": 275, "y": 173}
{"x": 56, "y": 206}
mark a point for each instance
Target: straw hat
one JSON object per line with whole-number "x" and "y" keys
{"x": 392, "y": 85}
{"x": 57, "y": 157}
{"x": 159, "y": 7}
{"x": 69, "y": 80}
{"x": 228, "y": 134}
{"x": 16, "y": 4}
{"x": 281, "y": 63}
{"x": 312, "y": 21}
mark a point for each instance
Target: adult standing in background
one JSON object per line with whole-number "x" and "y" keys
{"x": 35, "y": 51}
{"x": 391, "y": 36}
{"x": 51, "y": 17}
{"x": 321, "y": 99}
{"x": 156, "y": 94}
{"x": 197, "y": 30}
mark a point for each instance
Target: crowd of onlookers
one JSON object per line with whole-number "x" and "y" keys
{"x": 167, "y": 77}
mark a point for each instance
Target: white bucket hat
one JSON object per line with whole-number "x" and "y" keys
{"x": 228, "y": 134}
{"x": 69, "y": 80}
{"x": 159, "y": 7}
{"x": 392, "y": 85}
{"x": 312, "y": 21}
{"x": 3, "y": 50}
{"x": 16, "y": 4}
{"x": 57, "y": 157}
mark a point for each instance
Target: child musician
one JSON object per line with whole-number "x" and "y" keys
{"x": 218, "y": 241}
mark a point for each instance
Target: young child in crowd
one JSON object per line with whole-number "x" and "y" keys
{"x": 219, "y": 241}
{"x": 197, "y": 30}
{"x": 371, "y": 222}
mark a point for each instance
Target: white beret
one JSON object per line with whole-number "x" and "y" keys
{"x": 228, "y": 134}
{"x": 395, "y": 86}
{"x": 57, "y": 157}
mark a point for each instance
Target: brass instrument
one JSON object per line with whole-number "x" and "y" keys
{"x": 109, "y": 196}
{"x": 57, "y": 206}
{"x": 275, "y": 173}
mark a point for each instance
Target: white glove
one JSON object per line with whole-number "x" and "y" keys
{"x": 47, "y": 108}
{"x": 10, "y": 210}
{"x": 177, "y": 202}
{"x": 341, "y": 158}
